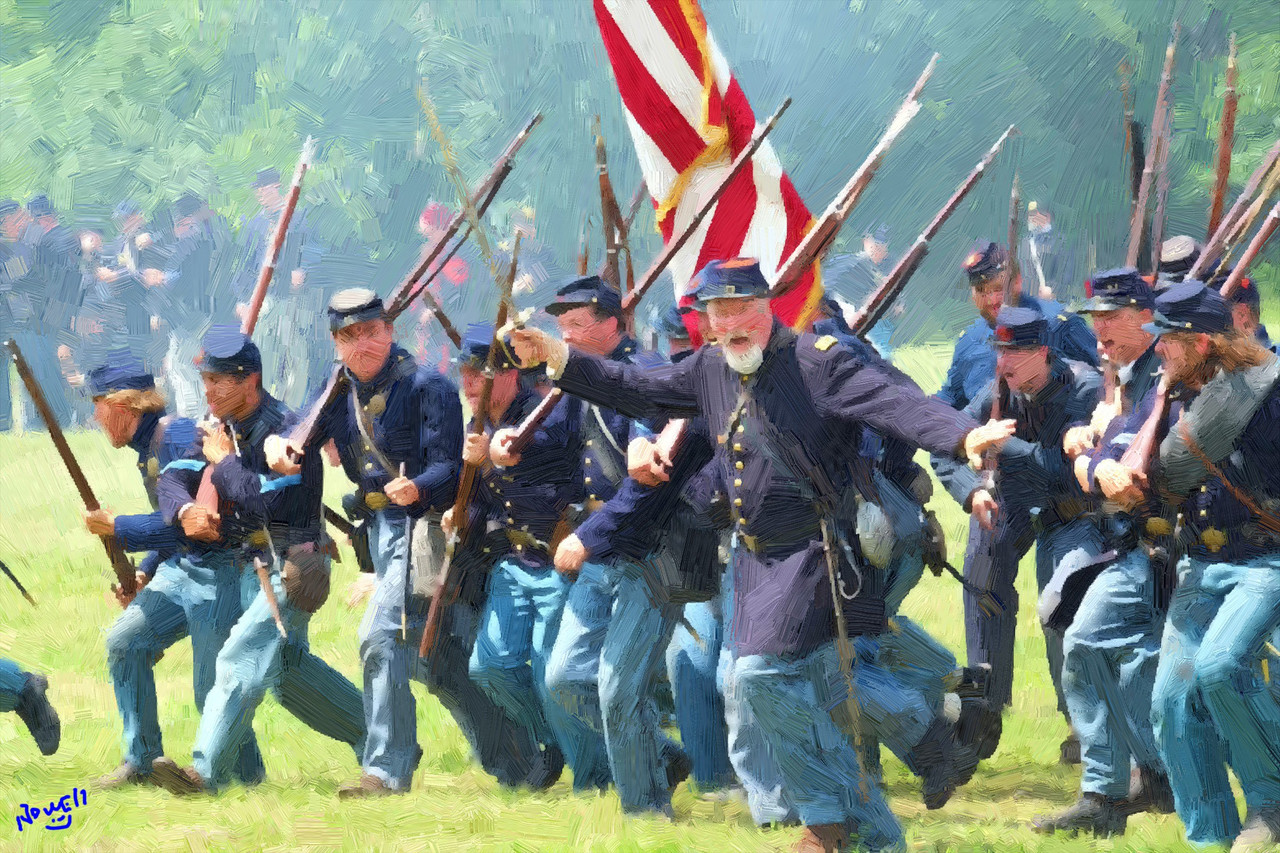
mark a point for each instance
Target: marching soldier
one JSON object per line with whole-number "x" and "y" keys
{"x": 786, "y": 411}
{"x": 195, "y": 588}
{"x": 658, "y": 553}
{"x": 25, "y": 693}
{"x": 973, "y": 364}
{"x": 398, "y": 431}
{"x": 904, "y": 705}
{"x": 520, "y": 505}
{"x": 1033, "y": 500}
{"x": 263, "y": 520}
{"x": 1111, "y": 647}
{"x": 614, "y": 620}
{"x": 1219, "y": 463}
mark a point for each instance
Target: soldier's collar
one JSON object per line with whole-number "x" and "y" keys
{"x": 627, "y": 347}
{"x": 141, "y": 441}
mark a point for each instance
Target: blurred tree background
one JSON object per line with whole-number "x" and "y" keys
{"x": 102, "y": 100}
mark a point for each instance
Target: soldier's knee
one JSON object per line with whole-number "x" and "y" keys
{"x": 1215, "y": 669}
{"x": 127, "y": 635}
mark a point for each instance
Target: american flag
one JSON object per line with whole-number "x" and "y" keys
{"x": 689, "y": 118}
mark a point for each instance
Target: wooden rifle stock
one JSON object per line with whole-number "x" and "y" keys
{"x": 610, "y": 216}
{"x": 277, "y": 239}
{"x": 677, "y": 243}
{"x": 897, "y": 278}
{"x": 470, "y": 472}
{"x": 1227, "y": 229}
{"x": 1226, "y": 136}
{"x": 126, "y": 577}
{"x": 442, "y": 318}
{"x": 1137, "y": 223}
{"x": 820, "y": 237}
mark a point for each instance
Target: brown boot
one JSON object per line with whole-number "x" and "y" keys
{"x": 179, "y": 781}
{"x": 123, "y": 776}
{"x": 368, "y": 786}
{"x": 824, "y": 838}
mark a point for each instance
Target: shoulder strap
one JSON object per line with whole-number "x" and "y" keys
{"x": 364, "y": 423}
{"x": 1269, "y": 520}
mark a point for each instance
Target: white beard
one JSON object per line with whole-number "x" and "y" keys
{"x": 747, "y": 363}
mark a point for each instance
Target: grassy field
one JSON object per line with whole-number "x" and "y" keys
{"x": 453, "y": 806}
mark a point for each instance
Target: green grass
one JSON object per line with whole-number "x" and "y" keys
{"x": 454, "y": 806}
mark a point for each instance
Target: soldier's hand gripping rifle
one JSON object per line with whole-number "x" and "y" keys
{"x": 820, "y": 237}
{"x": 450, "y": 580}
{"x": 126, "y": 577}
{"x": 896, "y": 280}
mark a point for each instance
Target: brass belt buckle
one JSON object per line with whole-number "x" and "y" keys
{"x": 376, "y": 501}
{"x": 258, "y": 539}
{"x": 1158, "y": 526}
{"x": 1213, "y": 539}
{"x": 752, "y": 542}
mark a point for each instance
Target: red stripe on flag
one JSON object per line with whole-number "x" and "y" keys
{"x": 645, "y": 99}
{"x": 740, "y": 118}
{"x": 730, "y": 221}
{"x": 671, "y": 15}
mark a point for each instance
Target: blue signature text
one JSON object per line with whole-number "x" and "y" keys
{"x": 59, "y": 811}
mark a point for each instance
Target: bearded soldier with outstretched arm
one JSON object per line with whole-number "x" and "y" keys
{"x": 786, "y": 410}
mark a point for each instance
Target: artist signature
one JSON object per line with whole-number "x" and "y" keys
{"x": 61, "y": 808}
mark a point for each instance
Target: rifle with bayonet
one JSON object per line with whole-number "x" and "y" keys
{"x": 897, "y": 278}
{"x": 126, "y": 576}
{"x": 820, "y": 237}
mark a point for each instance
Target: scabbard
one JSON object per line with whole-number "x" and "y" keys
{"x": 269, "y": 592}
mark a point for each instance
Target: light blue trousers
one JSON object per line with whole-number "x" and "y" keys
{"x": 789, "y": 752}
{"x": 196, "y": 595}
{"x": 1211, "y": 708}
{"x": 255, "y": 658}
{"x": 1110, "y": 654}
{"x": 517, "y": 632}
{"x": 603, "y": 671}
{"x": 692, "y": 669}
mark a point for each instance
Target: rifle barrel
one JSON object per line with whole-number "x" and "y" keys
{"x": 897, "y": 279}
{"x": 1226, "y": 136}
{"x": 1136, "y": 225}
{"x": 823, "y": 233}
{"x": 277, "y": 239}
